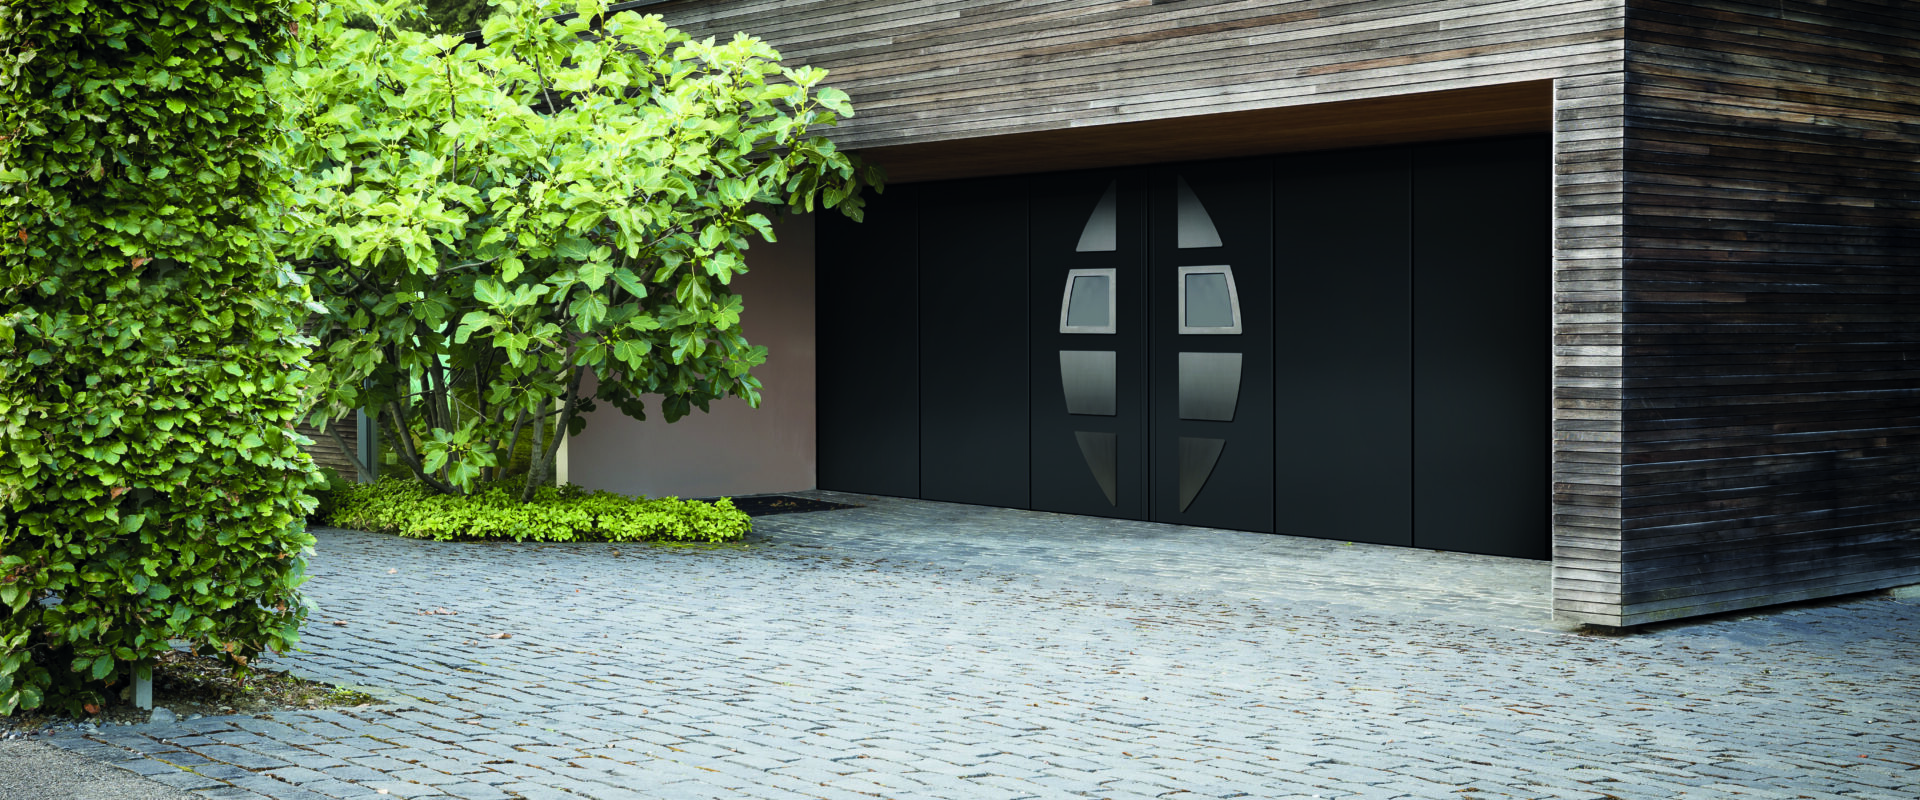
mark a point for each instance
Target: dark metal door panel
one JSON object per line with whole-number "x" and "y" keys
{"x": 867, "y": 282}
{"x": 1482, "y": 360}
{"x": 1343, "y": 319}
{"x": 973, "y": 342}
{"x": 1210, "y": 328}
{"x": 1088, "y": 362}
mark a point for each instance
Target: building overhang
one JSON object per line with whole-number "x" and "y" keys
{"x": 1502, "y": 110}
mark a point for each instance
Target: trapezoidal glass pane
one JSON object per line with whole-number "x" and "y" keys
{"x": 1209, "y": 386}
{"x": 1087, "y": 305}
{"x": 1193, "y": 228}
{"x": 1209, "y": 301}
{"x": 1101, "y": 232}
{"x": 1087, "y": 379}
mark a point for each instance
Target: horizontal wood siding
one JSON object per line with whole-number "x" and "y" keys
{"x": 1589, "y": 146}
{"x": 931, "y": 70}
{"x": 326, "y": 452}
{"x": 1770, "y": 299}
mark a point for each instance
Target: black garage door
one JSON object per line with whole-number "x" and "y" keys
{"x": 1349, "y": 345}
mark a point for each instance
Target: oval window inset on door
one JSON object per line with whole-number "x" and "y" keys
{"x": 1088, "y": 304}
{"x": 1209, "y": 302}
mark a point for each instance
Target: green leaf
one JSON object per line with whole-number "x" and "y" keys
{"x": 486, "y": 291}
{"x": 625, "y": 279}
{"x": 588, "y": 309}
{"x": 594, "y": 274}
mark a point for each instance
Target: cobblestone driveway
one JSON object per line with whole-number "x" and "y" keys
{"x": 923, "y": 650}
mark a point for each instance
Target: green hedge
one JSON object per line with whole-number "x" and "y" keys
{"x": 557, "y": 514}
{"x": 151, "y": 368}
{"x": 326, "y": 497}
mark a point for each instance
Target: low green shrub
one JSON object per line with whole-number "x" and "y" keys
{"x": 327, "y": 497}
{"x": 557, "y": 514}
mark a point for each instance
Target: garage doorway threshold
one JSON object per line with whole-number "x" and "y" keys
{"x": 1403, "y": 584}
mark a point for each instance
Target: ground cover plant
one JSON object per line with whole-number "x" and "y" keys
{"x": 151, "y": 486}
{"x": 494, "y": 511}
{"x": 489, "y": 223}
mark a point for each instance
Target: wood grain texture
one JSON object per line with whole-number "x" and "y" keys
{"x": 1770, "y": 433}
{"x": 326, "y": 452}
{"x": 924, "y": 71}
{"x": 1474, "y": 113}
{"x": 1588, "y": 394}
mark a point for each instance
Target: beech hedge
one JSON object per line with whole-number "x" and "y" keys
{"x": 152, "y": 486}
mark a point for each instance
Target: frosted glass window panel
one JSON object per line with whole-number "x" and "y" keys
{"x": 1087, "y": 377}
{"x": 1088, "y": 304}
{"x": 1208, "y": 304}
{"x": 1102, "y": 451}
{"x": 1197, "y": 458}
{"x": 1101, "y": 233}
{"x": 1193, "y": 226}
{"x": 1209, "y": 386}
{"x": 1209, "y": 301}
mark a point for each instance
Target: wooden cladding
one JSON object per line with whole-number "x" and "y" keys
{"x": 326, "y": 452}
{"x": 1766, "y": 435}
{"x": 1481, "y": 112}
{"x": 935, "y": 71}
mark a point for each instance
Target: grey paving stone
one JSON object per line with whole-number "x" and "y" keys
{"x": 925, "y": 650}
{"x": 229, "y": 793}
{"x": 180, "y": 779}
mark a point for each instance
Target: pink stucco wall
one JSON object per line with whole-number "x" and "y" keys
{"x": 734, "y": 450}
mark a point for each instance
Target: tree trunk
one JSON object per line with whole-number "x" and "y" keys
{"x": 542, "y": 468}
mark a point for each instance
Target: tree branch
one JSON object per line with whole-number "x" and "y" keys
{"x": 403, "y": 443}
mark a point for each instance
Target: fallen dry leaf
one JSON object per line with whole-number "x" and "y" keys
{"x": 340, "y": 622}
{"x": 94, "y": 709}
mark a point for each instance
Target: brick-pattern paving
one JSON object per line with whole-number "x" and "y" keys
{"x": 925, "y": 650}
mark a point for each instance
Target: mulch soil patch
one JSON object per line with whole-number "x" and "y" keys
{"x": 192, "y": 685}
{"x": 762, "y": 505}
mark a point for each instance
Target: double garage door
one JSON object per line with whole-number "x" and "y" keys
{"x": 1350, "y": 345}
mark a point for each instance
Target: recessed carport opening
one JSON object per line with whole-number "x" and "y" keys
{"x": 1328, "y": 320}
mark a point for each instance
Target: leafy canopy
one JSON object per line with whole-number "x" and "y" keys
{"x": 488, "y": 225}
